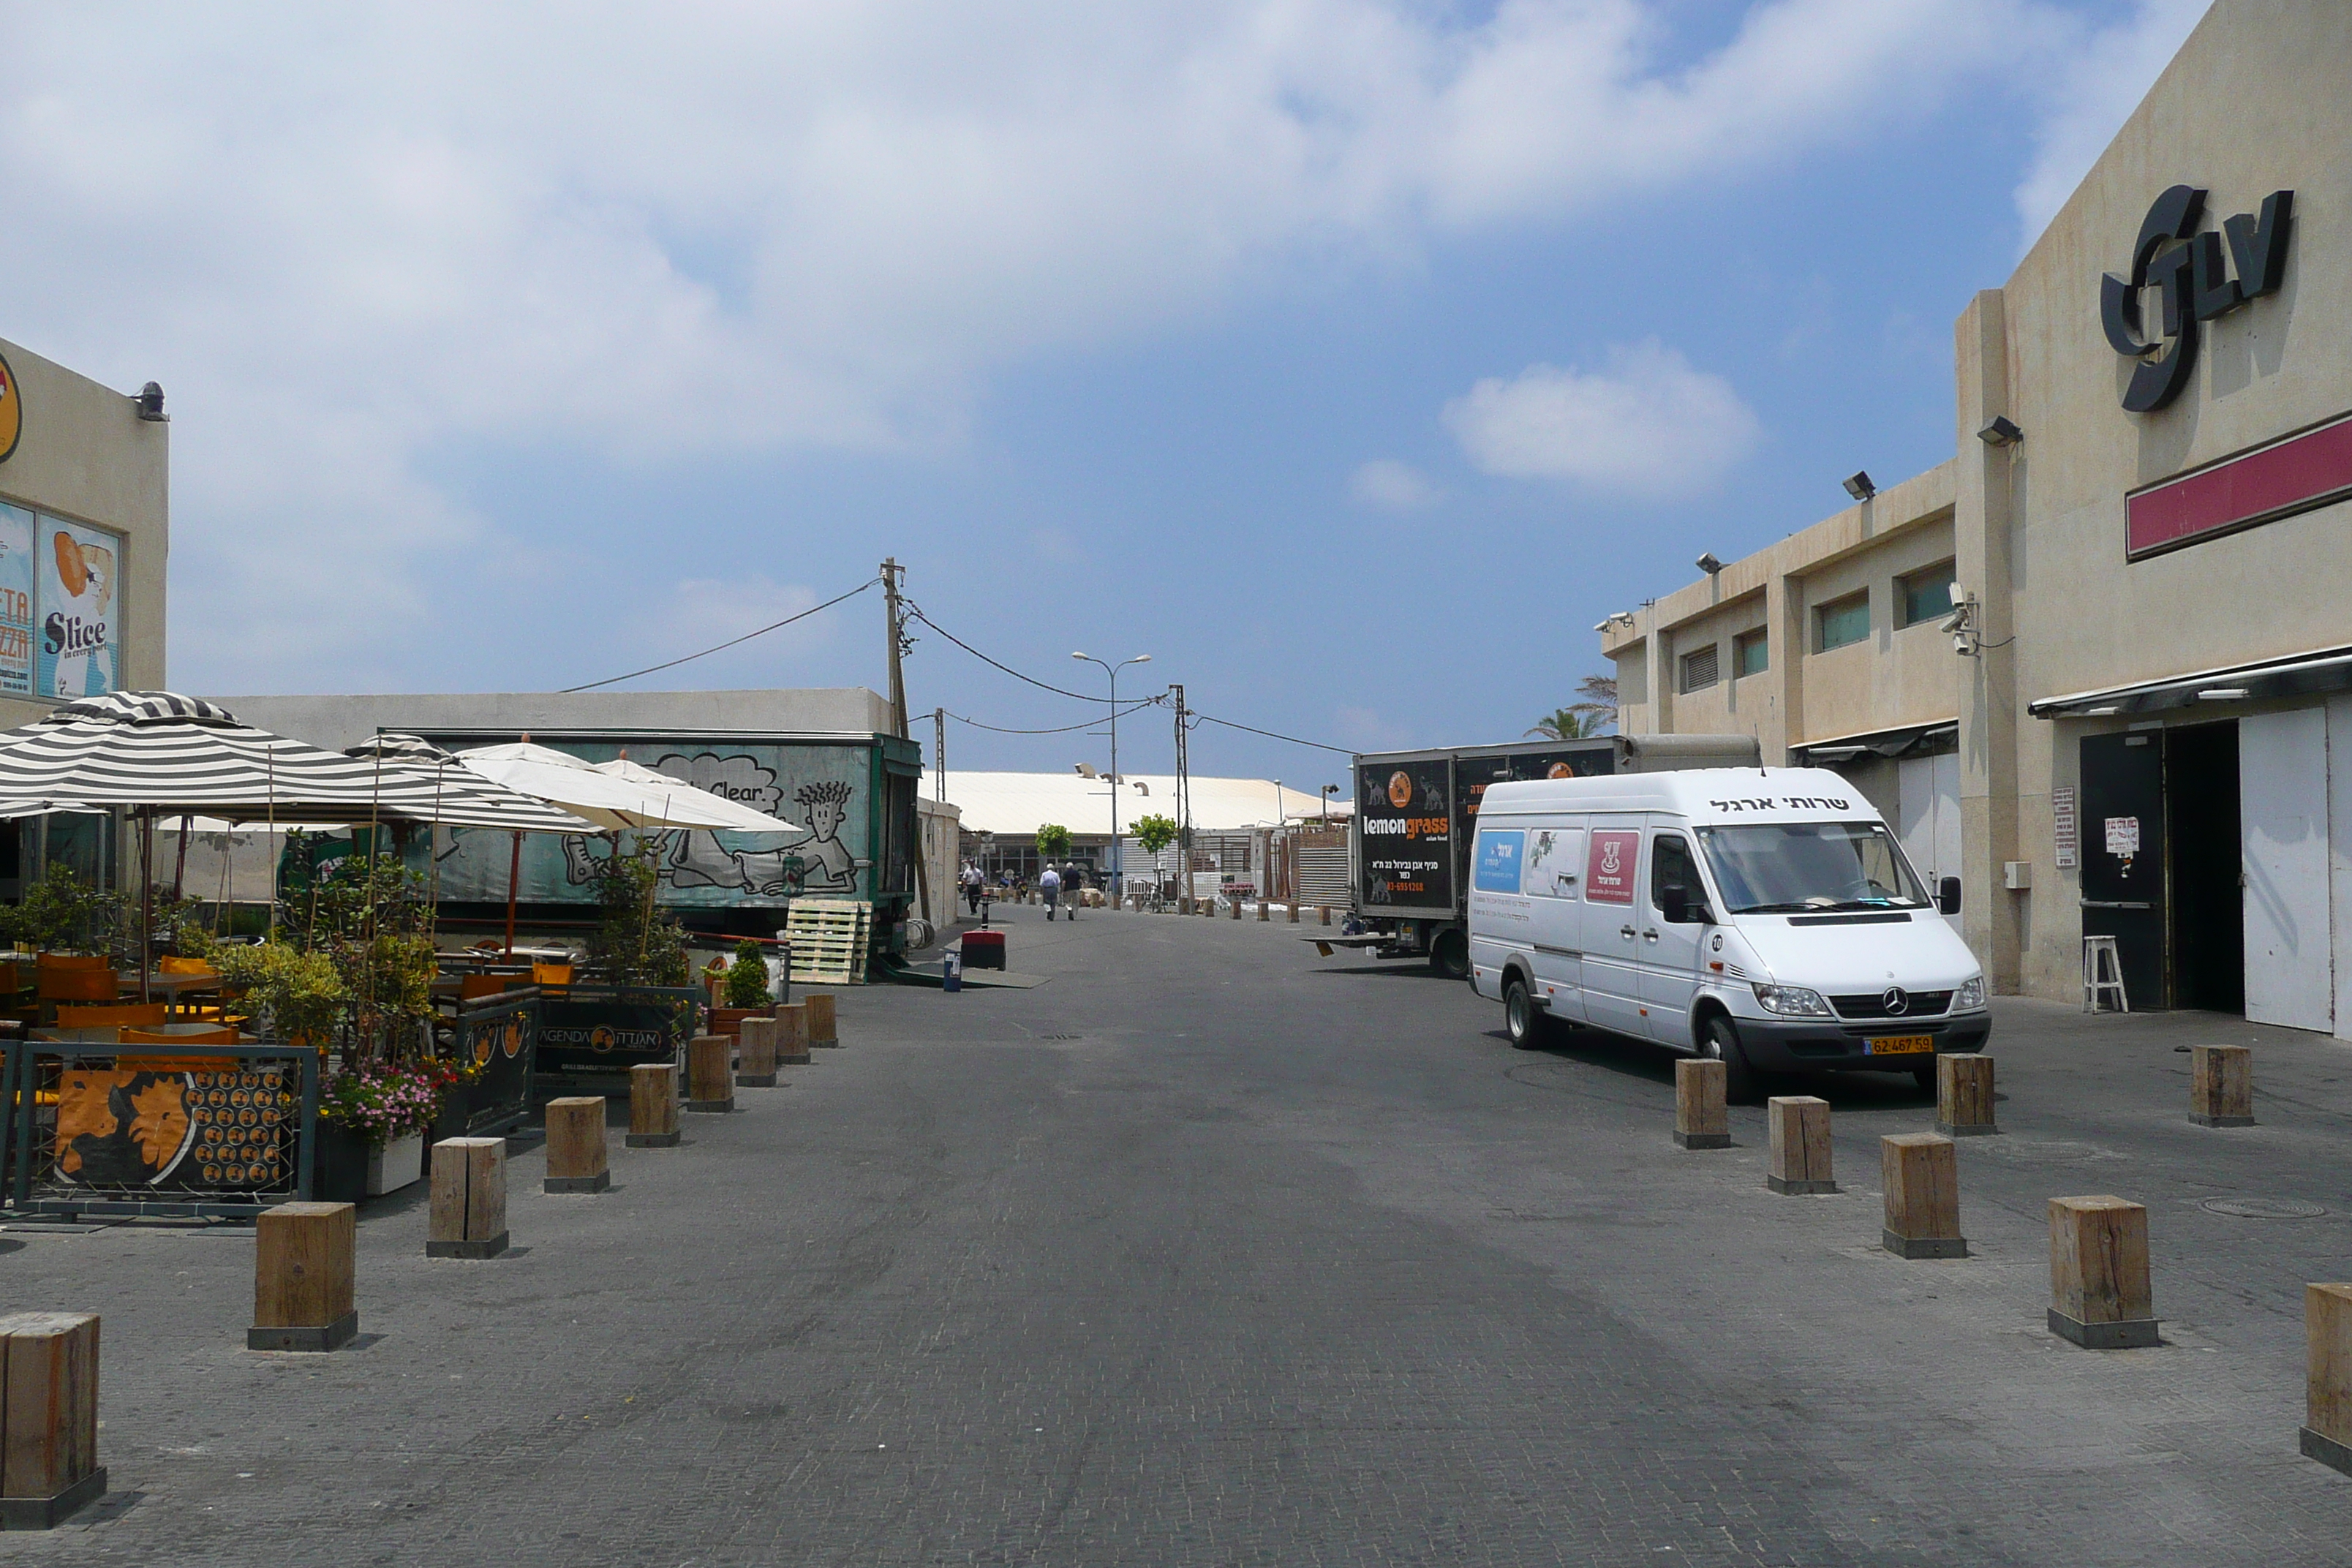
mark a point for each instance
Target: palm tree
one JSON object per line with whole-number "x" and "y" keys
{"x": 1596, "y": 712}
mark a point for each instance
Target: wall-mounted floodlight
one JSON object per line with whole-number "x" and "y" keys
{"x": 1859, "y": 486}
{"x": 2000, "y": 431}
{"x": 1710, "y": 565}
{"x": 150, "y": 403}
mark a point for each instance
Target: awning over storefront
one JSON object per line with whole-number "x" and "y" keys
{"x": 2319, "y": 671}
{"x": 1905, "y": 740}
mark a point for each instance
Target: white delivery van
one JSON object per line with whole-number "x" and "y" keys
{"x": 1766, "y": 917}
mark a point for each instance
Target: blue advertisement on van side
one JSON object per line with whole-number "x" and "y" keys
{"x": 1499, "y": 858}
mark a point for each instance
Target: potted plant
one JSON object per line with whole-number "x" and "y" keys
{"x": 743, "y": 992}
{"x": 384, "y": 1109}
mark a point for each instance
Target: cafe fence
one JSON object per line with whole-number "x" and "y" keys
{"x": 590, "y": 1035}
{"x": 495, "y": 1037}
{"x": 212, "y": 1131}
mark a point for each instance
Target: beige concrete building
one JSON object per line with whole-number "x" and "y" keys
{"x": 85, "y": 538}
{"x": 2142, "y": 726}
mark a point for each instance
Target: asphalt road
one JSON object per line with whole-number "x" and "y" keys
{"x": 1212, "y": 1251}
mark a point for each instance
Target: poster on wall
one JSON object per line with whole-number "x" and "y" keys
{"x": 18, "y": 529}
{"x": 80, "y": 602}
{"x": 824, "y": 791}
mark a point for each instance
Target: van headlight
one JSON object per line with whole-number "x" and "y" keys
{"x": 1970, "y": 995}
{"x": 1793, "y": 1001}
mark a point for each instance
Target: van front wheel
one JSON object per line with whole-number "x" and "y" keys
{"x": 1722, "y": 1043}
{"x": 1519, "y": 1019}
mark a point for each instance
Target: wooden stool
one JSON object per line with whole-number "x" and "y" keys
{"x": 1922, "y": 1177}
{"x": 823, "y": 1031}
{"x": 791, "y": 1034}
{"x": 1801, "y": 1145}
{"x": 302, "y": 1269}
{"x": 1701, "y": 1120}
{"x": 2099, "y": 1295}
{"x": 709, "y": 1075}
{"x": 2222, "y": 1086}
{"x": 1964, "y": 1097}
{"x": 2103, "y": 970}
{"x": 652, "y": 1106}
{"x": 470, "y": 1198}
{"x": 576, "y": 1159}
{"x": 755, "y": 1046}
{"x": 2328, "y": 1384}
{"x": 49, "y": 1417}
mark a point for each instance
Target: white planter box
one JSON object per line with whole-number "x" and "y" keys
{"x": 397, "y": 1164}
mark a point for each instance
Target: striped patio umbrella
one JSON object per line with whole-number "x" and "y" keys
{"x": 158, "y": 753}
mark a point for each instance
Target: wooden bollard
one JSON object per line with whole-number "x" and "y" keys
{"x": 49, "y": 1417}
{"x": 652, "y": 1106}
{"x": 1701, "y": 1117}
{"x": 576, "y": 1160}
{"x": 302, "y": 1277}
{"x": 1262, "y": 911}
{"x": 1293, "y": 914}
{"x": 1237, "y": 908}
{"x": 755, "y": 1054}
{"x": 2099, "y": 1295}
{"x": 1800, "y": 1144}
{"x": 470, "y": 1198}
{"x": 710, "y": 1074}
{"x": 2327, "y": 1385}
{"x": 791, "y": 1034}
{"x": 1921, "y": 1174}
{"x": 1323, "y": 914}
{"x": 823, "y": 1030}
{"x": 1964, "y": 1096}
{"x": 2222, "y": 1086}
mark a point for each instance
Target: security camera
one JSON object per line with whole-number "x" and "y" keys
{"x": 1710, "y": 565}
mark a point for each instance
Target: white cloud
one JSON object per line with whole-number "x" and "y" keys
{"x": 349, "y": 238}
{"x": 1646, "y": 424}
{"x": 1391, "y": 486}
{"x": 2093, "y": 86}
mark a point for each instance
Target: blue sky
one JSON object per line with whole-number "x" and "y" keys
{"x": 1351, "y": 357}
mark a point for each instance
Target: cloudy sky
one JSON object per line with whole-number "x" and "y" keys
{"x": 1351, "y": 357}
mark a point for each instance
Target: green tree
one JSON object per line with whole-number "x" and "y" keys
{"x": 636, "y": 942}
{"x": 746, "y": 978}
{"x": 1593, "y": 714}
{"x": 1155, "y": 832}
{"x": 1052, "y": 841}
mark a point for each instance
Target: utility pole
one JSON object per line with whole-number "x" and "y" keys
{"x": 1183, "y": 801}
{"x": 890, "y": 574}
{"x": 939, "y": 751}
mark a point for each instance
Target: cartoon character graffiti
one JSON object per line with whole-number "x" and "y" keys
{"x": 818, "y": 862}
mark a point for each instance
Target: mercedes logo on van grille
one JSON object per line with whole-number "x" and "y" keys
{"x": 1896, "y": 1002}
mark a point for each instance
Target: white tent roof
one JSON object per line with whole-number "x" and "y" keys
{"x": 1019, "y": 803}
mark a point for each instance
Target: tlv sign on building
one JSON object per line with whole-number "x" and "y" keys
{"x": 2195, "y": 280}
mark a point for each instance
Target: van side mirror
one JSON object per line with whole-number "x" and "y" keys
{"x": 1948, "y": 896}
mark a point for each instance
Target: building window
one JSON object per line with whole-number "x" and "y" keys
{"x": 1698, "y": 669}
{"x": 1751, "y": 653}
{"x": 1926, "y": 596}
{"x": 1844, "y": 621}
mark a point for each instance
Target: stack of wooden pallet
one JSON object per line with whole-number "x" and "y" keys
{"x": 828, "y": 938}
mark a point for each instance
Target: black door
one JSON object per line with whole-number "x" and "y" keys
{"x": 2123, "y": 856}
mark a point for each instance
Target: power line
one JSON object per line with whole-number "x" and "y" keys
{"x": 731, "y": 642}
{"x": 1125, "y": 709}
{"x": 1269, "y": 734}
{"x": 916, "y": 612}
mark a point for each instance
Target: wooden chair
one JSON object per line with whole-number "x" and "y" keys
{"x": 223, "y": 1037}
{"x": 473, "y": 987}
{"x": 556, "y": 976}
{"x": 58, "y": 983}
{"x": 129, "y": 1015}
{"x": 73, "y": 961}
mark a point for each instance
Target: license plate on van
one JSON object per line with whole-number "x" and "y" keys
{"x": 1903, "y": 1045}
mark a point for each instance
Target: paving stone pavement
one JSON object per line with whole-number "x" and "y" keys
{"x": 1212, "y": 1251}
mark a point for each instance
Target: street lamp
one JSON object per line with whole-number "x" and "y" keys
{"x": 1117, "y": 865}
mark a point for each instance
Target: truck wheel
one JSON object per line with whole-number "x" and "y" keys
{"x": 1520, "y": 1020}
{"x": 1741, "y": 1086}
{"x": 1449, "y": 955}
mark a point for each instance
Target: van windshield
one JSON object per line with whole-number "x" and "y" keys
{"x": 1798, "y": 867}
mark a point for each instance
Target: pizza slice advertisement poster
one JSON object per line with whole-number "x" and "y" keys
{"x": 79, "y": 604}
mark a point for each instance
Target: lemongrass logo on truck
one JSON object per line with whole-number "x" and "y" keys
{"x": 1609, "y": 869}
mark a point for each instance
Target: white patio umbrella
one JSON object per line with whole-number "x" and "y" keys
{"x": 747, "y": 819}
{"x": 609, "y": 800}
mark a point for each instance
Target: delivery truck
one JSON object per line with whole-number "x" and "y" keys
{"x": 1416, "y": 814}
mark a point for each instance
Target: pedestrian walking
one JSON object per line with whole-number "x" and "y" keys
{"x": 975, "y": 884}
{"x": 1050, "y": 884}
